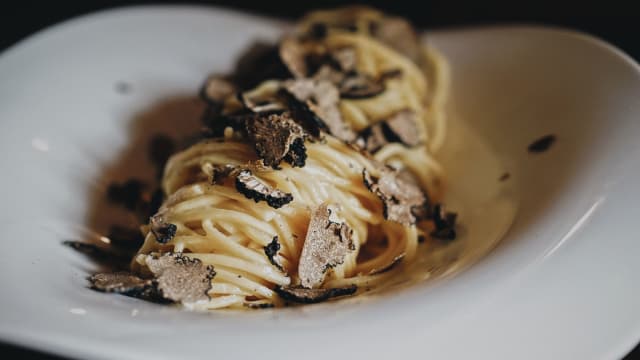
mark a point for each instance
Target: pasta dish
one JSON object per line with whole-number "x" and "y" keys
{"x": 314, "y": 178}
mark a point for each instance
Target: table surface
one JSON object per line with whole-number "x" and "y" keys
{"x": 615, "y": 23}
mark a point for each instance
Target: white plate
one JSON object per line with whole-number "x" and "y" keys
{"x": 562, "y": 284}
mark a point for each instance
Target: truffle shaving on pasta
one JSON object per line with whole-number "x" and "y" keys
{"x": 310, "y": 186}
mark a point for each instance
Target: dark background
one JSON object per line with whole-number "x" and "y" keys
{"x": 615, "y": 21}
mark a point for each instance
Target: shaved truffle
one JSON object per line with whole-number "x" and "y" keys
{"x": 401, "y": 199}
{"x": 293, "y": 56}
{"x": 403, "y": 127}
{"x": 445, "y": 223}
{"x": 372, "y": 138}
{"x": 162, "y": 231}
{"x": 297, "y": 154}
{"x": 360, "y": 86}
{"x": 311, "y": 296}
{"x": 301, "y": 89}
{"x": 271, "y": 250}
{"x": 299, "y": 93}
{"x": 119, "y": 282}
{"x": 325, "y": 246}
{"x": 252, "y": 188}
{"x": 317, "y": 104}
{"x": 180, "y": 278}
{"x": 277, "y": 137}
{"x": 217, "y": 89}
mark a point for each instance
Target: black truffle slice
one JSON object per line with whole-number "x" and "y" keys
{"x": 297, "y": 154}
{"x": 403, "y": 127}
{"x": 445, "y": 223}
{"x": 119, "y": 282}
{"x": 275, "y": 136}
{"x": 372, "y": 138}
{"x": 252, "y": 188}
{"x": 311, "y": 296}
{"x": 271, "y": 250}
{"x": 299, "y": 94}
{"x": 181, "y": 279}
{"x": 217, "y": 89}
{"x": 360, "y": 86}
{"x": 401, "y": 199}
{"x": 162, "y": 231}
{"x": 325, "y": 246}
{"x": 317, "y": 103}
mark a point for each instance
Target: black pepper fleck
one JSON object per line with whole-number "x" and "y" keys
{"x": 542, "y": 144}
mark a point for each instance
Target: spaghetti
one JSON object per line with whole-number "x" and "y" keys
{"x": 315, "y": 185}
